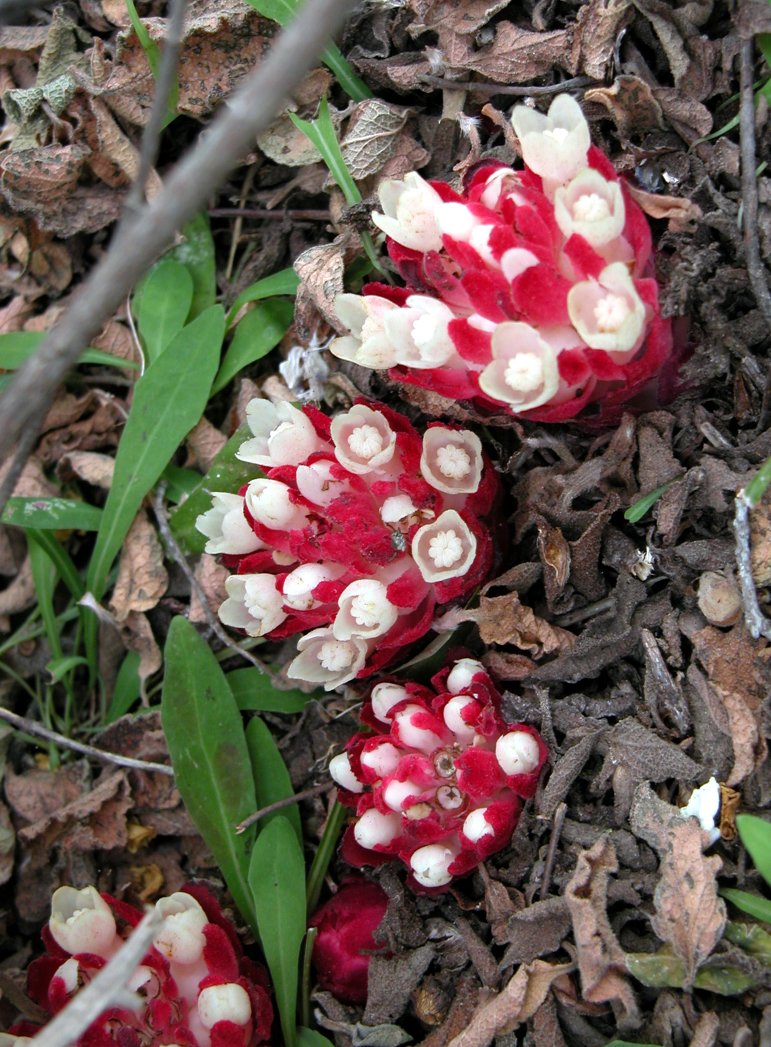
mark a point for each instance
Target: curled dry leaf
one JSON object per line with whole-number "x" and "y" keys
{"x": 19, "y": 595}
{"x": 204, "y": 442}
{"x": 321, "y": 272}
{"x": 137, "y": 635}
{"x": 372, "y": 131}
{"x": 142, "y": 578}
{"x": 504, "y": 620}
{"x": 600, "y": 957}
{"x": 211, "y": 575}
{"x": 94, "y": 468}
{"x": 681, "y": 213}
{"x": 631, "y": 104}
{"x": 516, "y": 55}
{"x": 595, "y": 33}
{"x": 760, "y": 540}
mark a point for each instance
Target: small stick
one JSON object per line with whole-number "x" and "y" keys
{"x": 756, "y": 622}
{"x": 516, "y": 90}
{"x": 263, "y": 212}
{"x": 279, "y": 805}
{"x": 21, "y": 723}
{"x": 755, "y": 268}
{"x": 551, "y": 854}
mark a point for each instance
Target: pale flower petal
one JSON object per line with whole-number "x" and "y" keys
{"x": 608, "y": 313}
{"x": 365, "y": 610}
{"x": 523, "y": 372}
{"x": 270, "y": 504}
{"x": 553, "y": 146}
{"x": 410, "y": 213}
{"x": 592, "y": 207}
{"x": 451, "y": 461}
{"x": 226, "y": 527}
{"x": 363, "y": 439}
{"x": 323, "y": 659}
{"x": 445, "y": 548}
{"x": 283, "y": 435}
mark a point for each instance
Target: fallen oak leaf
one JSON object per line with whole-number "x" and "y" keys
{"x": 680, "y": 212}
{"x": 504, "y": 620}
{"x": 142, "y": 579}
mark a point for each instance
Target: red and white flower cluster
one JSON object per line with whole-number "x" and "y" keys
{"x": 439, "y": 779}
{"x": 357, "y": 530}
{"x": 531, "y": 291}
{"x": 194, "y": 988}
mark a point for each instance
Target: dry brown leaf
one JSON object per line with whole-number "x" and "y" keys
{"x": 760, "y": 540}
{"x": 644, "y": 755}
{"x": 7, "y": 844}
{"x": 597, "y": 27}
{"x": 631, "y": 104}
{"x": 547, "y": 1031}
{"x": 661, "y": 18}
{"x": 504, "y": 620}
{"x": 19, "y": 595}
{"x": 514, "y": 1004}
{"x": 372, "y": 131}
{"x": 204, "y": 442}
{"x": 689, "y": 914}
{"x": 137, "y": 635}
{"x": 689, "y": 118}
{"x": 116, "y": 339}
{"x": 600, "y": 957}
{"x": 14, "y": 314}
{"x": 211, "y": 575}
{"x": 465, "y": 19}
{"x": 534, "y": 932}
{"x": 142, "y": 578}
{"x": 554, "y": 553}
{"x": 515, "y": 56}
{"x": 94, "y": 468}
{"x": 680, "y": 212}
{"x": 321, "y": 272}
{"x": 705, "y": 1031}
{"x": 405, "y": 154}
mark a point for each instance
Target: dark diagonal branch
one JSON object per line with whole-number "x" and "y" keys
{"x": 230, "y": 136}
{"x": 755, "y": 268}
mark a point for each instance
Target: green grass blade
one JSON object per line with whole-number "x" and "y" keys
{"x": 324, "y": 852}
{"x": 17, "y": 346}
{"x": 757, "y": 486}
{"x": 311, "y": 1038}
{"x": 208, "y": 751}
{"x": 196, "y": 253}
{"x": 164, "y": 300}
{"x": 755, "y": 834}
{"x": 258, "y": 332}
{"x": 284, "y": 282}
{"x": 52, "y": 514}
{"x": 168, "y": 401}
{"x": 61, "y": 559}
{"x": 44, "y": 576}
{"x": 271, "y": 778}
{"x": 321, "y": 133}
{"x": 153, "y": 55}
{"x": 277, "y": 881}
{"x": 636, "y": 512}
{"x": 254, "y": 692}
{"x": 127, "y": 689}
{"x": 753, "y": 904}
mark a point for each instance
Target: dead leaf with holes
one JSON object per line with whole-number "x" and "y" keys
{"x": 595, "y": 33}
{"x": 142, "y": 578}
{"x": 504, "y": 620}
{"x": 321, "y": 271}
{"x": 372, "y": 130}
{"x": 516, "y": 55}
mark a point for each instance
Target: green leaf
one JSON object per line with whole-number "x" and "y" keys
{"x": 180, "y": 483}
{"x": 257, "y": 333}
{"x": 153, "y": 55}
{"x": 751, "y": 938}
{"x": 254, "y": 692}
{"x": 58, "y": 556}
{"x": 164, "y": 301}
{"x": 724, "y": 979}
{"x": 59, "y": 667}
{"x": 752, "y": 904}
{"x": 52, "y": 514}
{"x": 196, "y": 253}
{"x": 311, "y": 1038}
{"x": 226, "y": 473}
{"x": 321, "y": 133}
{"x": 755, "y": 490}
{"x": 169, "y": 400}
{"x": 636, "y": 512}
{"x": 127, "y": 688}
{"x": 271, "y": 778}
{"x": 17, "y": 346}
{"x": 277, "y": 880}
{"x": 755, "y": 834}
{"x": 324, "y": 852}
{"x": 284, "y": 282}
{"x": 662, "y": 969}
{"x": 44, "y": 577}
{"x": 208, "y": 751}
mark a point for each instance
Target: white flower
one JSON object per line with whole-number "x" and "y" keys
{"x": 219, "y": 1003}
{"x": 299, "y": 585}
{"x": 368, "y": 344}
{"x": 592, "y": 207}
{"x": 451, "y": 461}
{"x": 283, "y": 435}
{"x": 523, "y": 372}
{"x": 226, "y": 526}
{"x": 411, "y": 734}
{"x": 444, "y": 548}
{"x": 462, "y": 674}
{"x": 475, "y": 825}
{"x": 517, "y": 752}
{"x": 340, "y": 771}
{"x": 322, "y": 658}
{"x": 410, "y": 212}
{"x": 608, "y": 313}
{"x": 553, "y": 146}
{"x": 82, "y": 921}
{"x": 430, "y": 865}
{"x": 374, "y": 829}
{"x": 459, "y": 222}
{"x": 270, "y": 504}
{"x": 254, "y": 604}
{"x": 363, "y": 439}
{"x": 515, "y": 261}
{"x": 365, "y": 610}
{"x": 181, "y": 937}
{"x": 384, "y": 697}
{"x": 382, "y": 759}
{"x": 704, "y": 804}
{"x": 316, "y": 483}
{"x": 418, "y": 331}
{"x": 452, "y": 714}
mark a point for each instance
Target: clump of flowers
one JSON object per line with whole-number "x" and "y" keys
{"x": 345, "y": 938}
{"x": 439, "y": 778}
{"x": 194, "y": 988}
{"x": 358, "y": 528}
{"x": 532, "y": 291}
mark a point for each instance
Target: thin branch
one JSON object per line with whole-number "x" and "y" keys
{"x": 107, "y": 989}
{"x": 551, "y": 855}
{"x": 21, "y": 453}
{"x": 21, "y": 723}
{"x": 229, "y": 137}
{"x": 755, "y": 620}
{"x": 755, "y": 268}
{"x": 279, "y": 805}
{"x": 516, "y": 90}
{"x": 151, "y": 137}
{"x": 263, "y": 212}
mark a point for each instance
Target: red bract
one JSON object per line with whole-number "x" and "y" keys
{"x": 532, "y": 291}
{"x": 358, "y": 528}
{"x": 346, "y": 925}
{"x": 439, "y": 779}
{"x": 195, "y": 986}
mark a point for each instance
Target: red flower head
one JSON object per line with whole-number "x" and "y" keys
{"x": 195, "y": 986}
{"x": 357, "y": 530}
{"x": 346, "y": 925}
{"x": 439, "y": 779}
{"x": 531, "y": 292}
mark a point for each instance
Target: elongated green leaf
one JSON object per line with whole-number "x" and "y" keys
{"x": 226, "y": 473}
{"x": 60, "y": 666}
{"x": 324, "y": 852}
{"x": 284, "y": 282}
{"x": 755, "y": 834}
{"x": 165, "y": 297}
{"x": 254, "y": 692}
{"x": 126, "y": 690}
{"x": 258, "y": 332}
{"x": 271, "y": 778}
{"x": 277, "y": 881}
{"x": 311, "y": 1038}
{"x": 58, "y": 556}
{"x": 44, "y": 576}
{"x": 208, "y": 751}
{"x": 196, "y": 253}
{"x": 636, "y": 511}
{"x": 321, "y": 133}
{"x": 52, "y": 514}
{"x": 16, "y": 346}
{"x": 168, "y": 401}
{"x": 752, "y": 904}
{"x": 153, "y": 55}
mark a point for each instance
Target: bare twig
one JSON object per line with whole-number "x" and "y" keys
{"x": 556, "y": 831}
{"x": 151, "y": 137}
{"x": 755, "y": 620}
{"x": 263, "y": 212}
{"x": 279, "y": 805}
{"x": 516, "y": 90}
{"x": 20, "y": 455}
{"x": 107, "y": 989}
{"x": 21, "y": 723}
{"x": 229, "y": 137}
{"x": 755, "y": 268}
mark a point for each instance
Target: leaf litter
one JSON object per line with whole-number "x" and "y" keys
{"x": 596, "y": 625}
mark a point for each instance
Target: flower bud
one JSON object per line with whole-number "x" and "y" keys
{"x": 81, "y": 922}
{"x": 219, "y": 1003}
{"x": 517, "y": 753}
{"x": 344, "y": 942}
{"x": 181, "y": 936}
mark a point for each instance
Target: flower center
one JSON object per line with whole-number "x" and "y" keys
{"x": 524, "y": 372}
{"x": 610, "y": 312}
{"x": 365, "y": 610}
{"x": 590, "y": 208}
{"x": 453, "y": 462}
{"x": 450, "y": 797}
{"x": 445, "y": 548}
{"x": 335, "y": 656}
{"x": 365, "y": 441}
{"x": 557, "y": 134}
